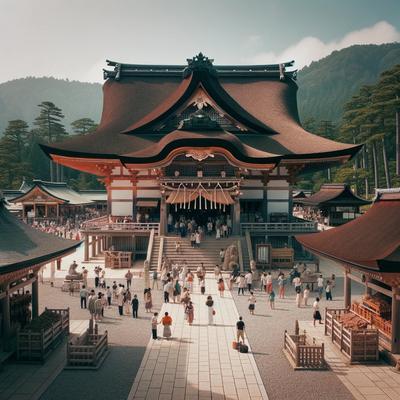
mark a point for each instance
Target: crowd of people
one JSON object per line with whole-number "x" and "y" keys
{"x": 182, "y": 226}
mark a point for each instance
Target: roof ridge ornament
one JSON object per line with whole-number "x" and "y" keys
{"x": 200, "y": 62}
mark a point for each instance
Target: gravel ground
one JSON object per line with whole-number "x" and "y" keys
{"x": 265, "y": 332}
{"x": 128, "y": 339}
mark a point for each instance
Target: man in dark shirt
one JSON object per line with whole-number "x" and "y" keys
{"x": 240, "y": 329}
{"x": 135, "y": 306}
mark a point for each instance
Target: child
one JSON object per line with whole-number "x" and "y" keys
{"x": 154, "y": 323}
{"x": 252, "y": 303}
{"x": 203, "y": 286}
{"x": 306, "y": 295}
{"x": 221, "y": 287}
{"x": 272, "y": 299}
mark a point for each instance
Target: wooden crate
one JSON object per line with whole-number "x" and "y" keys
{"x": 359, "y": 345}
{"x": 302, "y": 354}
{"x": 88, "y": 352}
{"x": 34, "y": 345}
{"x": 118, "y": 259}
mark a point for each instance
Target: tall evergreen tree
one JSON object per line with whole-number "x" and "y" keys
{"x": 14, "y": 164}
{"x": 50, "y": 129}
{"x": 83, "y": 125}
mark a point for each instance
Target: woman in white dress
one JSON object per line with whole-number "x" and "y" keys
{"x": 211, "y": 312}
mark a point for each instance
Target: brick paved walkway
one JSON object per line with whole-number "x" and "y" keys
{"x": 199, "y": 362}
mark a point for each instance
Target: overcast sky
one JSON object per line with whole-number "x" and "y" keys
{"x": 72, "y": 38}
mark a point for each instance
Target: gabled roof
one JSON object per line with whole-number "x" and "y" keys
{"x": 59, "y": 191}
{"x": 23, "y": 246}
{"x": 371, "y": 241}
{"x": 334, "y": 194}
{"x": 140, "y": 99}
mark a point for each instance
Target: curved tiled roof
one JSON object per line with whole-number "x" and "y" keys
{"x": 23, "y": 246}
{"x": 370, "y": 241}
{"x": 262, "y": 99}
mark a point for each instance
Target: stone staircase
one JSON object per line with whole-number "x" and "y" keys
{"x": 207, "y": 253}
{"x": 245, "y": 253}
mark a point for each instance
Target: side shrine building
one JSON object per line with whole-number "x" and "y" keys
{"x": 199, "y": 139}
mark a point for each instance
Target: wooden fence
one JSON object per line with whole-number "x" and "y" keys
{"x": 34, "y": 343}
{"x": 303, "y": 355}
{"x": 88, "y": 351}
{"x": 359, "y": 345}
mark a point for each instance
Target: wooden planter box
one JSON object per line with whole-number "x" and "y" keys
{"x": 359, "y": 345}
{"x": 303, "y": 355}
{"x": 36, "y": 345}
{"x": 88, "y": 351}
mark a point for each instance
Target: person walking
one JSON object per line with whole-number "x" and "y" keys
{"x": 240, "y": 326}
{"x": 211, "y": 311}
{"x": 264, "y": 282}
{"x": 298, "y": 298}
{"x": 306, "y": 295}
{"x": 96, "y": 276}
{"x": 198, "y": 239}
{"x": 114, "y": 291}
{"x": 203, "y": 286}
{"x": 109, "y": 296}
{"x": 252, "y": 303}
{"x": 104, "y": 304}
{"x": 328, "y": 291}
{"x": 271, "y": 298}
{"x": 85, "y": 276}
{"x": 91, "y": 300}
{"x": 154, "y": 323}
{"x": 128, "y": 277}
{"x": 127, "y": 301}
{"x": 98, "y": 306}
{"x": 320, "y": 285}
{"x": 297, "y": 284}
{"x": 167, "y": 322}
{"x": 189, "y": 281}
{"x": 189, "y": 311}
{"x": 249, "y": 280}
{"x": 193, "y": 239}
{"x": 269, "y": 282}
{"x": 155, "y": 279}
{"x": 217, "y": 271}
{"x": 120, "y": 302}
{"x": 148, "y": 300}
{"x": 177, "y": 291}
{"x": 83, "y": 294}
{"x": 241, "y": 281}
{"x": 185, "y": 298}
{"x": 316, "y": 313}
{"x": 166, "y": 291}
{"x": 135, "y": 306}
{"x": 281, "y": 284}
{"x": 221, "y": 287}
{"x": 222, "y": 255}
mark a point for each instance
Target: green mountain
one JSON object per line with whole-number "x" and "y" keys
{"x": 326, "y": 85}
{"x": 19, "y": 99}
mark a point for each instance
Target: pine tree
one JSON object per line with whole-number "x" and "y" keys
{"x": 83, "y": 125}
{"x": 13, "y": 154}
{"x": 50, "y": 129}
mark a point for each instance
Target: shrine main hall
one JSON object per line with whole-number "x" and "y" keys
{"x": 202, "y": 140}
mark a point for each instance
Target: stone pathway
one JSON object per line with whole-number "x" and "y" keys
{"x": 199, "y": 362}
{"x": 365, "y": 382}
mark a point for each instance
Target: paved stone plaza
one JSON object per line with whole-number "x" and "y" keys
{"x": 199, "y": 362}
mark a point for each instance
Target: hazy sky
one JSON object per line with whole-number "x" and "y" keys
{"x": 72, "y": 38}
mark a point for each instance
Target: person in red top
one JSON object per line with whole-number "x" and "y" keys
{"x": 167, "y": 322}
{"x": 221, "y": 287}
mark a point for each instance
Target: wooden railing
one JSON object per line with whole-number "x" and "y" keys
{"x": 273, "y": 227}
{"x": 357, "y": 344}
{"x": 303, "y": 355}
{"x": 88, "y": 351}
{"x": 124, "y": 226}
{"x": 92, "y": 223}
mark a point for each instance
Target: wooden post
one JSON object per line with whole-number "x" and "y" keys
{"x": 236, "y": 217}
{"x": 93, "y": 246}
{"x": 5, "y": 306}
{"x": 347, "y": 290}
{"x": 86, "y": 238}
{"x": 163, "y": 215}
{"x": 99, "y": 245}
{"x": 58, "y": 264}
{"x": 395, "y": 321}
{"x": 35, "y": 298}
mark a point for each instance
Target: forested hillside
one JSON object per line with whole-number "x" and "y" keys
{"x": 326, "y": 85}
